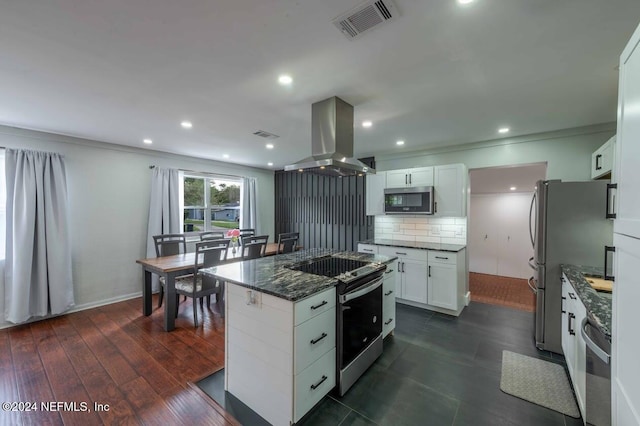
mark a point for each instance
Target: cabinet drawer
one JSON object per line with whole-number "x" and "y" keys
{"x": 406, "y": 253}
{"x": 442, "y": 257}
{"x": 389, "y": 287}
{"x": 314, "y": 305}
{"x": 314, "y": 338}
{"x": 368, "y": 248}
{"x": 388, "y": 315}
{"x": 313, "y": 383}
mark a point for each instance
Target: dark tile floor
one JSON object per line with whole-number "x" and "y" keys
{"x": 439, "y": 370}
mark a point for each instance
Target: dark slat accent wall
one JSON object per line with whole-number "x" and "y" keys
{"x": 329, "y": 212}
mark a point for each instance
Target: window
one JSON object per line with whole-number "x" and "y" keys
{"x": 210, "y": 203}
{"x": 3, "y": 206}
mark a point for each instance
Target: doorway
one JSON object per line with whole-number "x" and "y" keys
{"x": 499, "y": 243}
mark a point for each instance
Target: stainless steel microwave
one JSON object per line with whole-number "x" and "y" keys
{"x": 413, "y": 200}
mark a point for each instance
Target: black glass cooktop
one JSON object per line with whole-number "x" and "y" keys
{"x": 329, "y": 266}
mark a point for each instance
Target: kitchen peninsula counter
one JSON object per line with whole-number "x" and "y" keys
{"x": 271, "y": 275}
{"x": 598, "y": 307}
{"x": 421, "y": 245}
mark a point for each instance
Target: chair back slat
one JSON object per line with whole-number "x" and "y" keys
{"x": 211, "y": 235}
{"x": 254, "y": 246}
{"x": 287, "y": 242}
{"x": 170, "y": 244}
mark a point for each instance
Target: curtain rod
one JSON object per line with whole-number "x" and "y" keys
{"x": 153, "y": 166}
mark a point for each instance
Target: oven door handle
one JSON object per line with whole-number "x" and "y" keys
{"x": 361, "y": 291}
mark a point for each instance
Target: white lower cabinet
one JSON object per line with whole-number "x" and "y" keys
{"x": 441, "y": 279}
{"x": 389, "y": 300}
{"x": 288, "y": 348}
{"x": 411, "y": 272}
{"x": 573, "y": 346}
{"x": 430, "y": 279}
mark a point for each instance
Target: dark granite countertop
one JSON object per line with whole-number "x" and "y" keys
{"x": 270, "y": 275}
{"x": 598, "y": 306}
{"x": 416, "y": 245}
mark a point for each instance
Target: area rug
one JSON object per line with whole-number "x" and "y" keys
{"x": 538, "y": 381}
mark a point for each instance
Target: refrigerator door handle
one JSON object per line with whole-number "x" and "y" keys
{"x": 597, "y": 350}
{"x": 531, "y": 265}
{"x": 533, "y": 288}
{"x": 607, "y": 250}
{"x": 533, "y": 200}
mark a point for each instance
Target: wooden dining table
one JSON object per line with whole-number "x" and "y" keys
{"x": 174, "y": 266}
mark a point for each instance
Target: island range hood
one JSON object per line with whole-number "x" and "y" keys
{"x": 331, "y": 141}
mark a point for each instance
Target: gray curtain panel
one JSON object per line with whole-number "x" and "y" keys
{"x": 248, "y": 203}
{"x": 38, "y": 279}
{"x": 164, "y": 208}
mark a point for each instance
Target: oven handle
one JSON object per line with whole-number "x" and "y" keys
{"x": 361, "y": 291}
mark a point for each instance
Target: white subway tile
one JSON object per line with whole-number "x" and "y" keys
{"x": 383, "y": 236}
{"x": 453, "y": 228}
{"x": 442, "y": 220}
{"x": 461, "y": 241}
{"x": 415, "y": 220}
{"x": 407, "y": 226}
{"x": 461, "y": 220}
{"x": 403, "y": 237}
{"x": 424, "y": 225}
{"x": 417, "y": 232}
{"x": 428, "y": 239}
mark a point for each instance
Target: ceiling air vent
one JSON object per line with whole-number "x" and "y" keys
{"x": 265, "y": 135}
{"x": 366, "y": 16}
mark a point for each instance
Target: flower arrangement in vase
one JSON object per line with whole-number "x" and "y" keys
{"x": 233, "y": 234}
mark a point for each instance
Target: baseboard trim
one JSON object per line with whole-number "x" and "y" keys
{"x": 78, "y": 308}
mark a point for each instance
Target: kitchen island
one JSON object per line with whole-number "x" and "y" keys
{"x": 280, "y": 330}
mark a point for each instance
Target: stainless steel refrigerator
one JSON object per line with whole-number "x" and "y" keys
{"x": 568, "y": 225}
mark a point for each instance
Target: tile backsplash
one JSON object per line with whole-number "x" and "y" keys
{"x": 445, "y": 230}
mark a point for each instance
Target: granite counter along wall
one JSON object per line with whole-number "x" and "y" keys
{"x": 446, "y": 230}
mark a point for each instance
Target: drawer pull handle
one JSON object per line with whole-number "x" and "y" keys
{"x": 324, "y": 302}
{"x": 572, "y": 296}
{"x": 569, "y": 326}
{"x": 388, "y": 293}
{"x": 314, "y": 341}
{"x": 369, "y": 250}
{"x": 388, "y": 271}
{"x": 317, "y": 385}
{"x": 401, "y": 253}
{"x": 388, "y": 321}
{"x": 443, "y": 258}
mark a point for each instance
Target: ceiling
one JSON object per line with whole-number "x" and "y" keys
{"x": 440, "y": 74}
{"x": 500, "y": 180}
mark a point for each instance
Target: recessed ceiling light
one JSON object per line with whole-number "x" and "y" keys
{"x": 269, "y": 146}
{"x": 513, "y": 188}
{"x": 503, "y": 130}
{"x": 225, "y": 155}
{"x": 321, "y": 167}
{"x": 269, "y": 163}
{"x": 186, "y": 124}
{"x": 367, "y": 123}
{"x": 400, "y": 143}
{"x": 465, "y": 1}
{"x": 300, "y": 170}
{"x": 147, "y": 141}
{"x": 285, "y": 80}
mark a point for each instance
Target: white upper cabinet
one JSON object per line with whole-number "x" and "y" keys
{"x": 375, "y": 194}
{"x": 627, "y": 169}
{"x": 420, "y": 176}
{"x": 602, "y": 159}
{"x": 450, "y": 187}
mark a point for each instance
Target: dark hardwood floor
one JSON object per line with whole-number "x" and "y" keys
{"x": 113, "y": 355}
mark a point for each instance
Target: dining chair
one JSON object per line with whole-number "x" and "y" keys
{"x": 254, "y": 246}
{"x": 287, "y": 242}
{"x": 211, "y": 235}
{"x": 208, "y": 253}
{"x": 168, "y": 245}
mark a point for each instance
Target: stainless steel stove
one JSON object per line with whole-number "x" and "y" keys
{"x": 359, "y": 313}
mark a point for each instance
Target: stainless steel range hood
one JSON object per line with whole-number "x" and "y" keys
{"x": 331, "y": 141}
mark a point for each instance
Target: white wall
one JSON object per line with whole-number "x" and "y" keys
{"x": 566, "y": 152}
{"x": 499, "y": 242}
{"x": 109, "y": 189}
